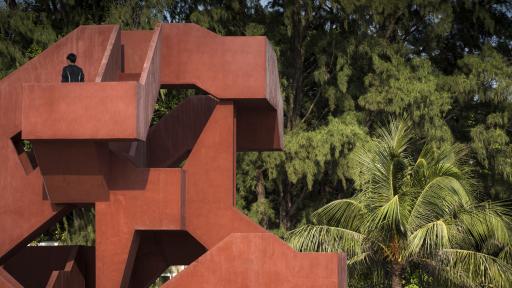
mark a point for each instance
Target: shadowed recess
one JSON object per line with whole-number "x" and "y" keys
{"x": 178, "y": 121}
{"x": 25, "y": 153}
{"x": 156, "y": 250}
{"x": 173, "y": 137}
{"x": 33, "y": 265}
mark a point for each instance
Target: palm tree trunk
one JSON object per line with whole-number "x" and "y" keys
{"x": 396, "y": 275}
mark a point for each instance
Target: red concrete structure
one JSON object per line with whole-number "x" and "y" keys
{"x": 94, "y": 145}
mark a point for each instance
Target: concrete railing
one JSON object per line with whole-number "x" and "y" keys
{"x": 95, "y": 110}
{"x": 149, "y": 85}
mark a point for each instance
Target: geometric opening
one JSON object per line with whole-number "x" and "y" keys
{"x": 170, "y": 97}
{"x": 76, "y": 228}
{"x": 157, "y": 252}
{"x": 25, "y": 153}
{"x": 34, "y": 266}
{"x": 168, "y": 274}
{"x": 48, "y": 257}
{"x": 179, "y": 117}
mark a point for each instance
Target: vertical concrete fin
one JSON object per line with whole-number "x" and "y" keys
{"x": 70, "y": 276}
{"x": 211, "y": 215}
{"x": 110, "y": 66}
{"x": 150, "y": 85}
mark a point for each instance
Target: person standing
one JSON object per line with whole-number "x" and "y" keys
{"x": 71, "y": 72}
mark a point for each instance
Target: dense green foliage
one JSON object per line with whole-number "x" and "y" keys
{"x": 77, "y": 228}
{"x": 414, "y": 210}
{"x": 346, "y": 68}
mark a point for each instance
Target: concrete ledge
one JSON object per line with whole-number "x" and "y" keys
{"x": 104, "y": 110}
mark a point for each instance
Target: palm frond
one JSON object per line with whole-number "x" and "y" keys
{"x": 344, "y": 213}
{"x": 444, "y": 276}
{"x": 483, "y": 223}
{"x": 383, "y": 161}
{"x": 440, "y": 198}
{"x": 310, "y": 238}
{"x": 478, "y": 268}
{"x": 428, "y": 239}
{"x": 453, "y": 155}
{"x": 396, "y": 136}
{"x": 362, "y": 258}
{"x": 506, "y": 254}
{"x": 388, "y": 218}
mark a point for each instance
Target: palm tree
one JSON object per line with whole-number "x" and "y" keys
{"x": 411, "y": 212}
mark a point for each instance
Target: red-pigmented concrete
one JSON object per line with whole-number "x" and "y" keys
{"x": 110, "y": 66}
{"x": 192, "y": 53}
{"x": 258, "y": 127}
{"x": 78, "y": 166}
{"x": 245, "y": 70}
{"x": 146, "y": 199}
{"x": 94, "y": 144}
{"x": 173, "y": 137}
{"x": 149, "y": 85}
{"x": 22, "y": 209}
{"x": 70, "y": 276}
{"x": 39, "y": 266}
{"x": 54, "y": 111}
{"x": 22, "y": 189}
{"x": 7, "y": 281}
{"x": 159, "y": 249}
{"x": 211, "y": 214}
{"x": 135, "y": 45}
{"x": 254, "y": 260}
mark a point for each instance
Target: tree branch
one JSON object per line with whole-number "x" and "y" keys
{"x": 312, "y": 105}
{"x": 11, "y": 4}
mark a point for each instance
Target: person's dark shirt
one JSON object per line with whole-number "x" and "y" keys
{"x": 72, "y": 73}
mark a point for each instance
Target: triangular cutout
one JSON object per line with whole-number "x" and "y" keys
{"x": 159, "y": 250}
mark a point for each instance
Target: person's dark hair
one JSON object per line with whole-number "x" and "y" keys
{"x": 71, "y": 57}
